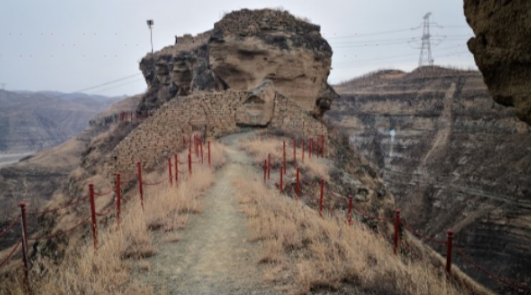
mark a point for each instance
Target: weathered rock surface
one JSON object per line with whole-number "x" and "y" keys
{"x": 502, "y": 50}
{"x": 457, "y": 160}
{"x": 258, "y": 107}
{"x": 243, "y": 50}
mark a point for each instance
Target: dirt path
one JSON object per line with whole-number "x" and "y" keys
{"x": 213, "y": 255}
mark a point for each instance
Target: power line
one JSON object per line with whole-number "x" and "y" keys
{"x": 117, "y": 86}
{"x": 107, "y": 83}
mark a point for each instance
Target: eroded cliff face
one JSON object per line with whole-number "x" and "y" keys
{"x": 455, "y": 159}
{"x": 502, "y": 50}
{"x": 244, "y": 49}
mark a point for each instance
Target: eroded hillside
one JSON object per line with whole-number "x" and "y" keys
{"x": 455, "y": 159}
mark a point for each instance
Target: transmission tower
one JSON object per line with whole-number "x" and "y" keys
{"x": 425, "y": 52}
{"x": 425, "y": 57}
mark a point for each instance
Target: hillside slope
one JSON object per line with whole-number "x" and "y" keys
{"x": 456, "y": 160}
{"x": 32, "y": 121}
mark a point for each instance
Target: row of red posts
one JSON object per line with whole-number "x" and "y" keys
{"x": 267, "y": 172}
{"x": 199, "y": 147}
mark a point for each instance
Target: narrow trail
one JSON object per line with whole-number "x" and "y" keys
{"x": 213, "y": 255}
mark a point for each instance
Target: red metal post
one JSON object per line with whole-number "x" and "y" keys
{"x": 169, "y": 171}
{"x": 284, "y": 153}
{"x": 310, "y": 147}
{"x": 140, "y": 188}
{"x": 265, "y": 170}
{"x": 25, "y": 245}
{"x": 321, "y": 199}
{"x": 190, "y": 164}
{"x": 350, "y": 198}
{"x": 118, "y": 198}
{"x": 281, "y": 180}
{"x": 209, "y": 166}
{"x": 297, "y": 184}
{"x": 201, "y": 150}
{"x": 294, "y": 152}
{"x": 303, "y": 150}
{"x": 397, "y": 228}
{"x": 93, "y": 215}
{"x": 176, "y": 158}
{"x": 449, "y": 252}
{"x": 268, "y": 166}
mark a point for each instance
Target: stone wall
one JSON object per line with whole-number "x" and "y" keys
{"x": 213, "y": 113}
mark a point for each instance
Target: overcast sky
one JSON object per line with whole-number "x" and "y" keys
{"x": 67, "y": 46}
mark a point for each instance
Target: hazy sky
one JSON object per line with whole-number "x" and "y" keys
{"x": 67, "y": 45}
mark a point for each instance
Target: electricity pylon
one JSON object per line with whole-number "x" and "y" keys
{"x": 425, "y": 57}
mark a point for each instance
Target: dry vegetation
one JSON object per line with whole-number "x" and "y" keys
{"x": 120, "y": 249}
{"x": 317, "y": 253}
{"x": 260, "y": 147}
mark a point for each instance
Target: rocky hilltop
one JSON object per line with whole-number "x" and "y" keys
{"x": 451, "y": 156}
{"x": 243, "y": 49}
{"x": 502, "y": 50}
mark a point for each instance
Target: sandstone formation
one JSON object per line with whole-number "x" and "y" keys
{"x": 457, "y": 160}
{"x": 244, "y": 49}
{"x": 502, "y": 50}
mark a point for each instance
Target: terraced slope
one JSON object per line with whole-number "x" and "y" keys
{"x": 457, "y": 159}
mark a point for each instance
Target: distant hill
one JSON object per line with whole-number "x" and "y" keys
{"x": 32, "y": 121}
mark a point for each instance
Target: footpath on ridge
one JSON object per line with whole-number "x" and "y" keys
{"x": 213, "y": 254}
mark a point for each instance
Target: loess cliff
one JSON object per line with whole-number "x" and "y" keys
{"x": 502, "y": 50}
{"x": 451, "y": 156}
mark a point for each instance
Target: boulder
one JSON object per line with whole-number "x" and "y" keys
{"x": 258, "y": 107}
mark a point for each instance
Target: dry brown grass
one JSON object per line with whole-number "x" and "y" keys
{"x": 260, "y": 148}
{"x": 299, "y": 246}
{"x": 109, "y": 271}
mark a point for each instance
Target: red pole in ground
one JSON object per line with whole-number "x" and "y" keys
{"x": 93, "y": 215}
{"x": 321, "y": 199}
{"x": 24, "y": 244}
{"x": 297, "y": 184}
{"x": 140, "y": 188}
{"x": 190, "y": 145}
{"x": 169, "y": 171}
{"x": 294, "y": 152}
{"x": 303, "y": 150}
{"x": 118, "y": 198}
{"x": 284, "y": 157}
{"x": 310, "y": 147}
{"x": 190, "y": 164}
{"x": 268, "y": 166}
{"x": 397, "y": 227}
{"x": 209, "y": 154}
{"x": 176, "y": 169}
{"x": 281, "y": 178}
{"x": 201, "y": 150}
{"x": 265, "y": 170}
{"x": 350, "y": 209}
{"x": 449, "y": 252}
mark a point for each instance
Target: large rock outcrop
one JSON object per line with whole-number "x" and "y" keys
{"x": 244, "y": 49}
{"x": 502, "y": 50}
{"x": 455, "y": 159}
